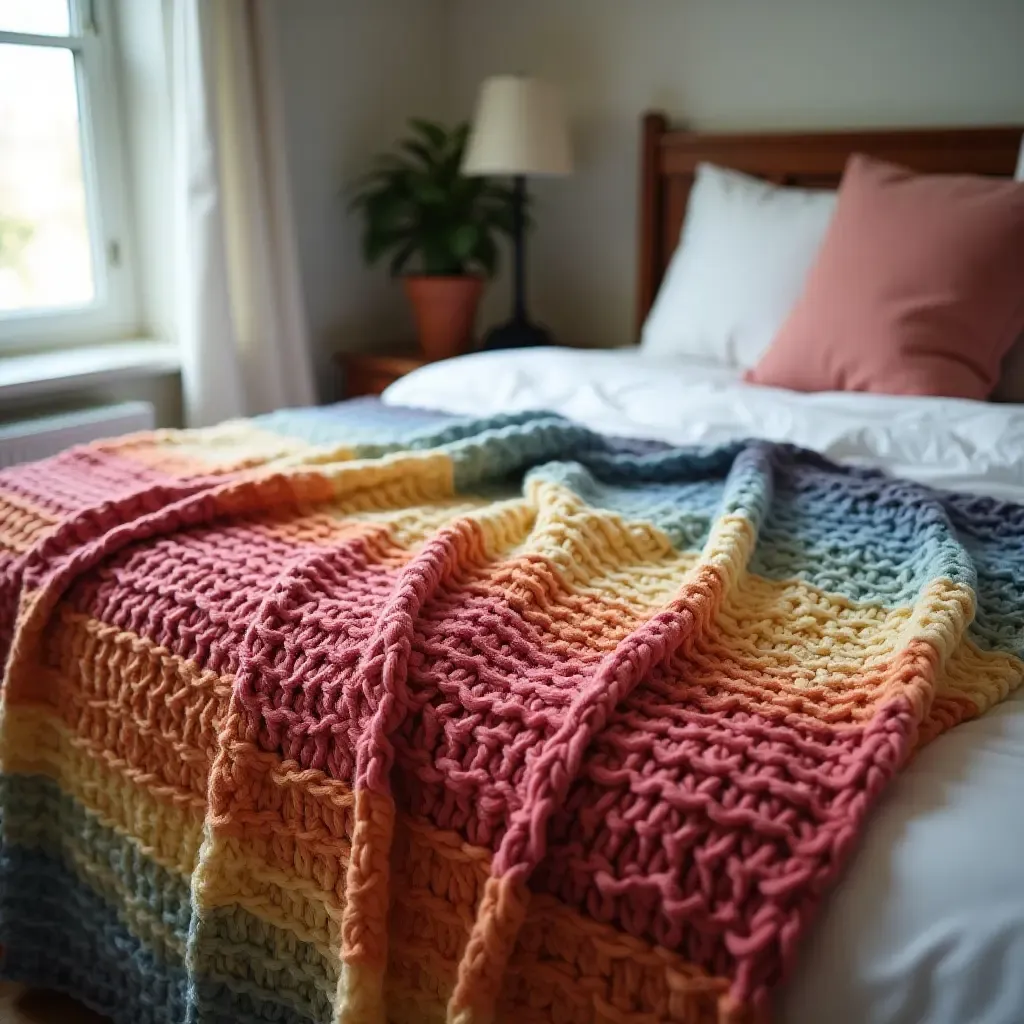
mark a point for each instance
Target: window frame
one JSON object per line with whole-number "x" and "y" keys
{"x": 112, "y": 314}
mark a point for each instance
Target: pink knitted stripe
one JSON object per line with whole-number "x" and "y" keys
{"x": 384, "y": 668}
{"x": 312, "y": 669}
{"x": 221, "y": 576}
{"x": 554, "y": 770}
{"x": 85, "y": 539}
{"x": 78, "y": 479}
{"x": 670, "y": 853}
{"x": 323, "y": 673}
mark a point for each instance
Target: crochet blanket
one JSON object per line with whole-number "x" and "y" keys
{"x": 326, "y": 717}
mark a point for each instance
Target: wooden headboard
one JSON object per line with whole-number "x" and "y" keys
{"x": 669, "y": 157}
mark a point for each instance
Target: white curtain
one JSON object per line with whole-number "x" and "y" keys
{"x": 240, "y": 317}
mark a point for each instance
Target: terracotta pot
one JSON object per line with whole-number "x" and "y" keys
{"x": 445, "y": 310}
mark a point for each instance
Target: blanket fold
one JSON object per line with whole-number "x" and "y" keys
{"x": 357, "y": 716}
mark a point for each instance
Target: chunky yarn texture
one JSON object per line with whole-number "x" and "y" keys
{"x": 354, "y": 716}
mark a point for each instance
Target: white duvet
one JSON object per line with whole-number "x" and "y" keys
{"x": 927, "y": 924}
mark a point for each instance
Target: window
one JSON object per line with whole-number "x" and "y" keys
{"x": 64, "y": 270}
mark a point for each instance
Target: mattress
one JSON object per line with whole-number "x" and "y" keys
{"x": 927, "y": 922}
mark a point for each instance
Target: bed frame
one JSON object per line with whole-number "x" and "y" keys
{"x": 669, "y": 157}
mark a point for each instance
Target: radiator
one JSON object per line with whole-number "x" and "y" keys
{"x": 37, "y": 438}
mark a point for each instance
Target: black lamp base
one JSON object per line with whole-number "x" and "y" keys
{"x": 516, "y": 334}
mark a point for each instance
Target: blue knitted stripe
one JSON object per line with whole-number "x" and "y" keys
{"x": 57, "y": 933}
{"x": 45, "y": 831}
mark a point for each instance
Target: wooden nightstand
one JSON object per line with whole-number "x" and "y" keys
{"x": 367, "y": 373}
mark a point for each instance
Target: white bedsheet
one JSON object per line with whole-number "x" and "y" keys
{"x": 947, "y": 442}
{"x": 927, "y": 924}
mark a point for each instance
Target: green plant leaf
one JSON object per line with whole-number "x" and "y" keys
{"x": 434, "y": 133}
{"x": 464, "y": 241}
{"x": 426, "y": 156}
{"x": 402, "y": 257}
{"x": 391, "y": 163}
{"x": 378, "y": 240}
{"x": 415, "y": 203}
{"x": 371, "y": 185}
{"x": 460, "y": 136}
{"x": 466, "y": 192}
{"x": 429, "y": 193}
{"x": 456, "y": 151}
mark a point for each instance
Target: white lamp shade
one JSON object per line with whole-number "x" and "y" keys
{"x": 519, "y": 128}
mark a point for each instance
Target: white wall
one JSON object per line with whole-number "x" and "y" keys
{"x": 716, "y": 64}
{"x": 353, "y": 71}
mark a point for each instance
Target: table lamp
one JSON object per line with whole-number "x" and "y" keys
{"x": 519, "y": 129}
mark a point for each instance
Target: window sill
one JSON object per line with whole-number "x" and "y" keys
{"x": 42, "y": 374}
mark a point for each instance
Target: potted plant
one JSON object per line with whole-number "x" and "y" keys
{"x": 421, "y": 211}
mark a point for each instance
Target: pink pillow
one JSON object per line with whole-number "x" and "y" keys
{"x": 918, "y": 288}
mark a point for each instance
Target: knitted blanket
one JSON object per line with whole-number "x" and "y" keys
{"x": 327, "y": 718}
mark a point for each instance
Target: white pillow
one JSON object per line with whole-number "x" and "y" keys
{"x": 740, "y": 265}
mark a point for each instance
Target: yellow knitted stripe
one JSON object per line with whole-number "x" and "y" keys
{"x": 815, "y": 644}
{"x": 982, "y": 677}
{"x": 411, "y": 528}
{"x": 165, "y": 822}
{"x": 794, "y": 633}
{"x": 839, "y": 669}
{"x": 231, "y": 873}
{"x": 227, "y": 447}
{"x": 589, "y": 577}
{"x": 573, "y": 964}
{"x": 631, "y": 567}
{"x": 401, "y": 479}
{"x": 598, "y": 552}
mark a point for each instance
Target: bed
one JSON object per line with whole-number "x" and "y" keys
{"x": 916, "y": 930}
{"x": 435, "y": 710}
